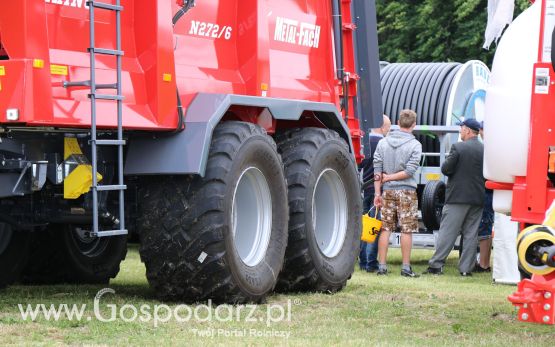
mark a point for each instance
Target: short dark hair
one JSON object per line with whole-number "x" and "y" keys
{"x": 407, "y": 118}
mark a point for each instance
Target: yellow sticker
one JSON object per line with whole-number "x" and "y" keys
{"x": 433, "y": 177}
{"x": 2, "y": 71}
{"x": 0, "y": 86}
{"x": 38, "y": 63}
{"x": 58, "y": 70}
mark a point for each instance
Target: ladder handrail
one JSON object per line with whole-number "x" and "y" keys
{"x": 118, "y": 98}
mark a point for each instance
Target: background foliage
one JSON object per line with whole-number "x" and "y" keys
{"x": 435, "y": 30}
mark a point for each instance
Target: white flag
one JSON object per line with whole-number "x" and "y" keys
{"x": 500, "y": 14}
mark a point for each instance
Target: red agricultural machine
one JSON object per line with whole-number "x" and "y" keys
{"x": 224, "y": 133}
{"x": 520, "y": 153}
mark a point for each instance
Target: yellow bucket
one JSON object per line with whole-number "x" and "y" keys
{"x": 371, "y": 227}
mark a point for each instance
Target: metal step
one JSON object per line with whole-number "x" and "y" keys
{"x": 110, "y": 142}
{"x": 105, "y": 6}
{"x": 107, "y": 97}
{"x": 106, "y": 233}
{"x": 111, "y": 188}
{"x": 105, "y": 51}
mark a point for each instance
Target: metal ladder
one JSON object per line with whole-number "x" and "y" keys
{"x": 118, "y": 98}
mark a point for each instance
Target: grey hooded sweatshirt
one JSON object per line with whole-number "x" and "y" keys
{"x": 399, "y": 151}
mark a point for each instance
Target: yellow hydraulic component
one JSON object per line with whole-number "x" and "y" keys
{"x": 79, "y": 179}
{"x": 550, "y": 216}
{"x": 526, "y": 239}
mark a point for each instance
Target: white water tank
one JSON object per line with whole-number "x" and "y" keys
{"x": 508, "y": 100}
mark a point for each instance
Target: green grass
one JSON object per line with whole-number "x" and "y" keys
{"x": 427, "y": 311}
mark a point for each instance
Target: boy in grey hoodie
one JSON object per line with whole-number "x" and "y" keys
{"x": 395, "y": 162}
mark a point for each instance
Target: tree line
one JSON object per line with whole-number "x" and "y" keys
{"x": 435, "y": 30}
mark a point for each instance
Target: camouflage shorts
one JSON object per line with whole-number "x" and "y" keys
{"x": 400, "y": 206}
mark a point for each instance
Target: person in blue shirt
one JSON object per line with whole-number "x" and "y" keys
{"x": 368, "y": 258}
{"x": 485, "y": 230}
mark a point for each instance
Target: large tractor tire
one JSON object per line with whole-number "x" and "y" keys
{"x": 222, "y": 236}
{"x": 62, "y": 254}
{"x": 325, "y": 208}
{"x": 14, "y": 251}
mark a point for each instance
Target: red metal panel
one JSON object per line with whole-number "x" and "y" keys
{"x": 23, "y": 86}
{"x": 281, "y": 49}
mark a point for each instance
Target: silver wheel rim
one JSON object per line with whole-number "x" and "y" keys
{"x": 252, "y": 216}
{"x": 329, "y": 213}
{"x": 6, "y": 233}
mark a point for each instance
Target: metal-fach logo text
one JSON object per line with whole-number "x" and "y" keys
{"x": 297, "y": 33}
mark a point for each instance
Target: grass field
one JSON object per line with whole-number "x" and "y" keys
{"x": 427, "y": 311}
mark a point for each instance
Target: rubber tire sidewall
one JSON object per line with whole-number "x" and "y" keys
{"x": 14, "y": 258}
{"x": 336, "y": 270}
{"x": 428, "y": 206}
{"x": 96, "y": 269}
{"x": 261, "y": 278}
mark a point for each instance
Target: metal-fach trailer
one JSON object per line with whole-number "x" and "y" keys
{"x": 224, "y": 133}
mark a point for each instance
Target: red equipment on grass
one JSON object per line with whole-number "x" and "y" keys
{"x": 224, "y": 102}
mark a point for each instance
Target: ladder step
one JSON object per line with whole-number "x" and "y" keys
{"x": 107, "y": 86}
{"x": 107, "y": 233}
{"x": 111, "y": 188}
{"x": 107, "y": 97}
{"x": 110, "y": 142}
{"x": 106, "y": 51}
{"x": 105, "y": 6}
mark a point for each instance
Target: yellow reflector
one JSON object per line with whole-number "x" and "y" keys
{"x": 167, "y": 77}
{"x": 433, "y": 177}
{"x": 60, "y": 70}
{"x": 2, "y": 71}
{"x": 38, "y": 63}
{"x": 264, "y": 86}
{"x": 79, "y": 181}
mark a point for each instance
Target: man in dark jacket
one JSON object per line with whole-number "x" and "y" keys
{"x": 464, "y": 200}
{"x": 368, "y": 258}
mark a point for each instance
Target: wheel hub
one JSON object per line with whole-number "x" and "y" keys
{"x": 88, "y": 246}
{"x": 329, "y": 213}
{"x": 252, "y": 216}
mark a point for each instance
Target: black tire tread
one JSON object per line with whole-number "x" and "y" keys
{"x": 173, "y": 238}
{"x": 298, "y": 147}
{"x": 51, "y": 263}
